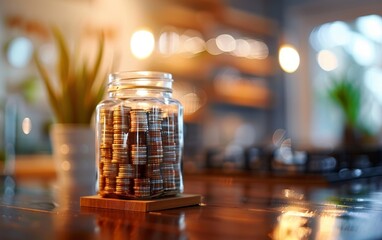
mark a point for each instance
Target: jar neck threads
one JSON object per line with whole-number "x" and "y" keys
{"x": 140, "y": 83}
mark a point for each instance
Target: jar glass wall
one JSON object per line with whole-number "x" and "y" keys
{"x": 139, "y": 137}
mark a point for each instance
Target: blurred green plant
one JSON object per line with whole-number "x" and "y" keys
{"x": 2, "y": 155}
{"x": 347, "y": 93}
{"x": 27, "y": 89}
{"x": 81, "y": 84}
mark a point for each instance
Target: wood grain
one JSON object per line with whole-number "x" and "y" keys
{"x": 182, "y": 200}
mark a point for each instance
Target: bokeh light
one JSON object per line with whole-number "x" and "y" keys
{"x": 289, "y": 58}
{"x": 225, "y": 43}
{"x": 19, "y": 52}
{"x": 327, "y": 60}
{"x": 142, "y": 44}
{"x": 371, "y": 27}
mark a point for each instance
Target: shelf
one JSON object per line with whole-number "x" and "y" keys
{"x": 202, "y": 66}
{"x": 240, "y": 92}
{"x": 206, "y": 16}
{"x": 210, "y": 19}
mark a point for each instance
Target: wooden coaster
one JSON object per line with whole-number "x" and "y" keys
{"x": 182, "y": 200}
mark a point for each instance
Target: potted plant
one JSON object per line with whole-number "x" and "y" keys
{"x": 74, "y": 89}
{"x": 348, "y": 94}
{"x": 80, "y": 84}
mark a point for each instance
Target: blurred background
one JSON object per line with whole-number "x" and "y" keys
{"x": 280, "y": 86}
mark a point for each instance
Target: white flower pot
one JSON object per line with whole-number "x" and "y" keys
{"x": 74, "y": 156}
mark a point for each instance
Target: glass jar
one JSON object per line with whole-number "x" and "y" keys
{"x": 139, "y": 137}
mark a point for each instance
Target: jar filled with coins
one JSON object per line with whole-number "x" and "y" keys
{"x": 139, "y": 137}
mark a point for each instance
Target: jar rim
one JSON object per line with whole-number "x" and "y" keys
{"x": 140, "y": 79}
{"x": 127, "y": 75}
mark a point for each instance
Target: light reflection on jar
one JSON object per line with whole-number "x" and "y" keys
{"x": 293, "y": 223}
{"x": 326, "y": 228}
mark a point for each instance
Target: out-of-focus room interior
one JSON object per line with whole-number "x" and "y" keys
{"x": 268, "y": 87}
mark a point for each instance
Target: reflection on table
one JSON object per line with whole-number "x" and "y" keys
{"x": 233, "y": 207}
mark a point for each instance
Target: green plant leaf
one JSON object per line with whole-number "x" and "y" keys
{"x": 97, "y": 63}
{"x": 346, "y": 93}
{"x": 63, "y": 63}
{"x": 81, "y": 86}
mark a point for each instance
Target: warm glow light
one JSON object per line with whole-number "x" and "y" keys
{"x": 64, "y": 149}
{"x": 226, "y": 43}
{"x": 26, "y": 126}
{"x": 289, "y": 58}
{"x": 194, "y": 45}
{"x": 168, "y": 43}
{"x": 191, "y": 103}
{"x": 192, "y": 42}
{"x": 242, "y": 48}
{"x": 327, "y": 227}
{"x": 65, "y": 165}
{"x": 258, "y": 49}
{"x": 212, "y": 48}
{"x": 142, "y": 93}
{"x": 327, "y": 60}
{"x": 142, "y": 44}
{"x": 293, "y": 224}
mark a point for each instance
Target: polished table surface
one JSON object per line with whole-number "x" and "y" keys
{"x": 233, "y": 207}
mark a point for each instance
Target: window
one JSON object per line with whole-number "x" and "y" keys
{"x": 336, "y": 40}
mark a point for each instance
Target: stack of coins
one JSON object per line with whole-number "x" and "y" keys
{"x": 168, "y": 177}
{"x": 103, "y": 151}
{"x": 154, "y": 172}
{"x": 155, "y": 149}
{"x": 123, "y": 185}
{"x": 120, "y": 153}
{"x": 141, "y": 187}
{"x": 126, "y": 170}
{"x": 106, "y": 127}
{"x": 138, "y": 120}
{"x": 138, "y": 154}
{"x": 138, "y": 151}
{"x": 168, "y": 130}
{"x": 110, "y": 173}
{"x": 168, "y": 139}
{"x": 125, "y": 180}
{"x": 105, "y": 145}
{"x": 138, "y": 128}
{"x": 169, "y": 154}
{"x": 154, "y": 140}
{"x": 121, "y": 123}
{"x": 120, "y": 132}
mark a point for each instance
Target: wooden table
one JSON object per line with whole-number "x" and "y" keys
{"x": 233, "y": 207}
